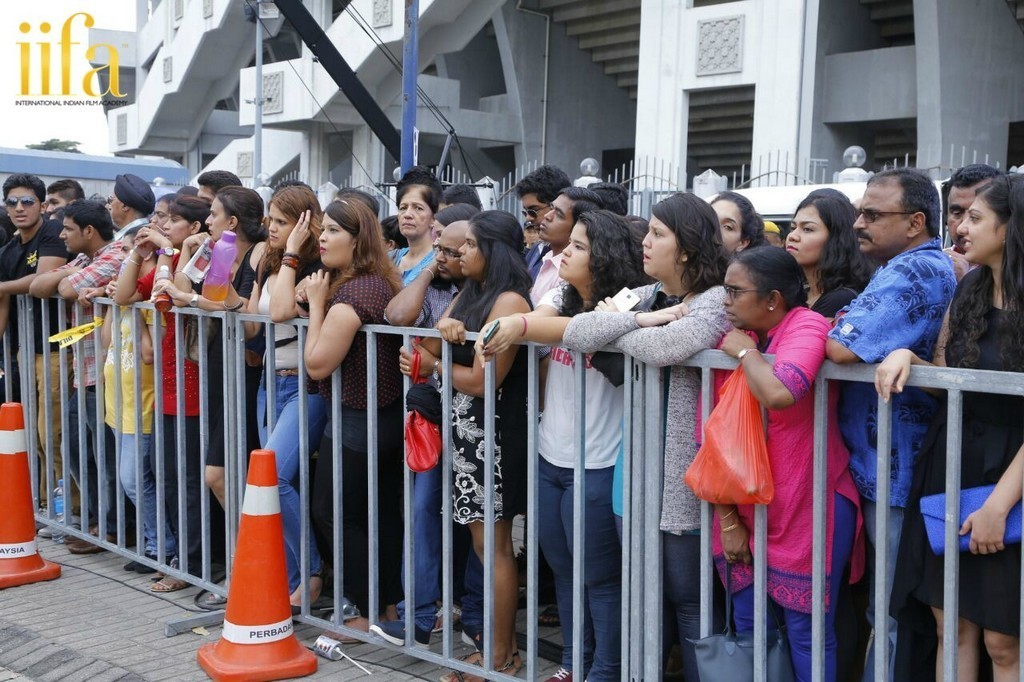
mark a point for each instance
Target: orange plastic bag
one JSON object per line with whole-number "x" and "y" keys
{"x": 732, "y": 465}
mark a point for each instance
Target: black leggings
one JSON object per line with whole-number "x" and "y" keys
{"x": 355, "y": 520}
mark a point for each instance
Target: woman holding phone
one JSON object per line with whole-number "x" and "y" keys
{"x": 497, "y": 285}
{"x": 602, "y": 258}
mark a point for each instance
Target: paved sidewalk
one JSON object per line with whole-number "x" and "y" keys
{"x": 98, "y": 623}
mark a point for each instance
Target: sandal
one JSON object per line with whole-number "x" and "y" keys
{"x": 169, "y": 584}
{"x": 549, "y": 617}
{"x": 511, "y": 667}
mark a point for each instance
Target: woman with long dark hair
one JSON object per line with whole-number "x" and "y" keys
{"x": 683, "y": 252}
{"x": 354, "y": 290}
{"x": 601, "y": 258}
{"x": 824, "y": 244}
{"x": 497, "y": 285}
{"x": 766, "y": 302}
{"x": 984, "y": 329}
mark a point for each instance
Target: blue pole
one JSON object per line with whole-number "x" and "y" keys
{"x": 410, "y": 67}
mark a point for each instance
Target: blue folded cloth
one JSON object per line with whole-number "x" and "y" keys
{"x": 933, "y": 509}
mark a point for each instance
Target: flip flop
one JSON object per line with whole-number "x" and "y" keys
{"x": 208, "y": 601}
{"x": 169, "y": 584}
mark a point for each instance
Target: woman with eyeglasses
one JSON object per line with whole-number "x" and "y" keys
{"x": 684, "y": 315}
{"x": 602, "y": 257}
{"x": 766, "y": 302}
{"x": 823, "y": 242}
{"x": 983, "y": 329}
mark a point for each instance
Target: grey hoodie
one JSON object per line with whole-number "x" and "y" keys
{"x": 701, "y": 328}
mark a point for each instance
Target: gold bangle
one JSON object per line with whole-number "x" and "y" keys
{"x": 732, "y": 527}
{"x": 723, "y": 518}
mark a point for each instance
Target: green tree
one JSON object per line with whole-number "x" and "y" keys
{"x": 55, "y": 145}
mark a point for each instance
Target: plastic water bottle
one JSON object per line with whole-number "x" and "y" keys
{"x": 162, "y": 301}
{"x": 218, "y": 275}
{"x": 58, "y": 511}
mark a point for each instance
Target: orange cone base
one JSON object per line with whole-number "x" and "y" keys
{"x": 226, "y": 661}
{"x": 47, "y": 571}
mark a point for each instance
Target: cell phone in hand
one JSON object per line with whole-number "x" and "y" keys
{"x": 625, "y": 300}
{"x": 491, "y": 330}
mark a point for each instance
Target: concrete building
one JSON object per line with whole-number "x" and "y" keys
{"x": 738, "y": 86}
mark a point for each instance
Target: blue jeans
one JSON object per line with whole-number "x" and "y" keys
{"x": 426, "y": 506}
{"x": 134, "y": 447}
{"x": 893, "y": 532}
{"x": 602, "y": 588}
{"x": 798, "y": 624}
{"x": 681, "y": 584}
{"x": 107, "y": 488}
{"x": 284, "y": 441}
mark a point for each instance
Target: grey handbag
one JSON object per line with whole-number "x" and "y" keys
{"x": 730, "y": 656}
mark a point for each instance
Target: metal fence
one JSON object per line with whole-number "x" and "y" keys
{"x": 643, "y": 419}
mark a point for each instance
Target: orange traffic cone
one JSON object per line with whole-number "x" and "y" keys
{"x": 259, "y": 641}
{"x": 20, "y": 563}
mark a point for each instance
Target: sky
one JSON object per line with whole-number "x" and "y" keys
{"x": 23, "y": 125}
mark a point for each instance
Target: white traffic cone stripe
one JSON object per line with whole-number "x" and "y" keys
{"x": 12, "y": 442}
{"x": 257, "y": 634}
{"x": 261, "y": 500}
{"x": 18, "y": 550}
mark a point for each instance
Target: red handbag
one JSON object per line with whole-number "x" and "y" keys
{"x": 422, "y": 437}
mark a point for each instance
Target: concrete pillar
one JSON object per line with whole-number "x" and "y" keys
{"x": 662, "y": 107}
{"x": 777, "y": 88}
{"x": 368, "y": 150}
{"x": 313, "y": 159}
{"x": 970, "y": 83}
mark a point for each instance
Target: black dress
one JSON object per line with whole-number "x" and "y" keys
{"x": 509, "y": 444}
{"x": 993, "y": 430}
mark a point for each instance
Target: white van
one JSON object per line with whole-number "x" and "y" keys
{"x": 778, "y": 204}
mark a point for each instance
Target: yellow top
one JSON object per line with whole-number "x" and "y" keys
{"x": 129, "y": 359}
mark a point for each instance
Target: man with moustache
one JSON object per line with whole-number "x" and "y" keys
{"x": 902, "y": 307}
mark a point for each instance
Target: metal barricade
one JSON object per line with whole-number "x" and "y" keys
{"x": 643, "y": 429}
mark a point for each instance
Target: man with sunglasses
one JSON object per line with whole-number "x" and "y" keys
{"x": 902, "y": 307}
{"x": 36, "y": 248}
{"x": 536, "y": 191}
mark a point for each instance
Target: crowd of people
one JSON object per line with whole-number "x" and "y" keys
{"x": 865, "y": 281}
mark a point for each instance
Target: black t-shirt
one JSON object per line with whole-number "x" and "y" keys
{"x": 17, "y": 260}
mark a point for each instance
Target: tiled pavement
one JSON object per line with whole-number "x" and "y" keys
{"x": 98, "y": 623}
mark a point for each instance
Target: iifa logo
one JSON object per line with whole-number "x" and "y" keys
{"x": 89, "y": 87}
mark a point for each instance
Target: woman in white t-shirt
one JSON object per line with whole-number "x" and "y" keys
{"x": 602, "y": 258}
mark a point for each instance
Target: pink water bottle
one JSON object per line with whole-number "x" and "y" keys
{"x": 218, "y": 276}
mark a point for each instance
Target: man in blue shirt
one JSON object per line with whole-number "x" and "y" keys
{"x": 902, "y": 307}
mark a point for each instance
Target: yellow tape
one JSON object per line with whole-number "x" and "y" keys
{"x": 75, "y": 334}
